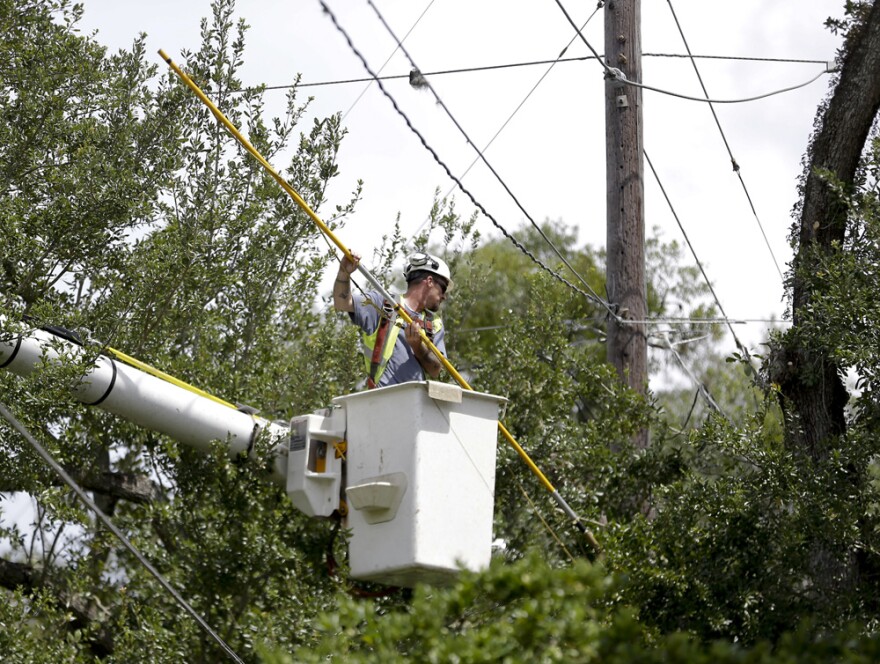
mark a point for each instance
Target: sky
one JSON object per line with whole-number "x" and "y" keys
{"x": 551, "y": 152}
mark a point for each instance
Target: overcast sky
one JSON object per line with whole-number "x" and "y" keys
{"x": 551, "y": 154}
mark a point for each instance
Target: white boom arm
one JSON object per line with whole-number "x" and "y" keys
{"x": 146, "y": 400}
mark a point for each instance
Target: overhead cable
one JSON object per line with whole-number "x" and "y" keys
{"x": 385, "y": 64}
{"x": 369, "y": 82}
{"x": 449, "y": 173}
{"x": 736, "y": 57}
{"x": 618, "y": 76}
{"x": 592, "y": 294}
{"x": 596, "y": 56}
{"x": 83, "y": 496}
{"x": 515, "y": 111}
{"x": 691, "y": 247}
{"x": 684, "y": 320}
{"x": 675, "y": 320}
{"x": 733, "y": 161}
{"x": 581, "y": 58}
{"x": 615, "y": 74}
{"x": 756, "y": 378}
{"x": 704, "y": 392}
{"x": 690, "y": 412}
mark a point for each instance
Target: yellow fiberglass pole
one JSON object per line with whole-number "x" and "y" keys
{"x": 222, "y": 119}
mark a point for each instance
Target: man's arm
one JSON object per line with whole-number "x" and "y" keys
{"x": 342, "y": 299}
{"x": 424, "y": 355}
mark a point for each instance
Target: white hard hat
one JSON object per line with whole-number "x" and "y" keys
{"x": 421, "y": 261}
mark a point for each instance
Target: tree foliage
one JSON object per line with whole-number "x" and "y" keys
{"x": 133, "y": 219}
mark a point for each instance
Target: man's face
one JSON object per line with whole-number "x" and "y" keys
{"x": 436, "y": 292}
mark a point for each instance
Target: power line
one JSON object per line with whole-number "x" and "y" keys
{"x": 448, "y": 172}
{"x": 384, "y": 64}
{"x": 690, "y": 246}
{"x": 595, "y": 53}
{"x": 733, "y": 161}
{"x": 736, "y": 340}
{"x": 595, "y": 297}
{"x": 674, "y": 320}
{"x": 735, "y": 57}
{"x": 516, "y": 110}
{"x": 701, "y": 388}
{"x": 683, "y": 320}
{"x": 18, "y": 426}
{"x": 364, "y": 91}
{"x": 661, "y": 321}
{"x": 617, "y": 75}
{"x": 468, "y": 70}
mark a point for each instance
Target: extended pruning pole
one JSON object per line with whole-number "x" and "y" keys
{"x": 401, "y": 311}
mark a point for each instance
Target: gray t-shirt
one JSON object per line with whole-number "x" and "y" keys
{"x": 402, "y": 366}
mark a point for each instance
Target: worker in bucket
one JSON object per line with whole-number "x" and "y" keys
{"x": 394, "y": 352}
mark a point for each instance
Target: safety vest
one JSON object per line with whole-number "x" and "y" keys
{"x": 378, "y": 346}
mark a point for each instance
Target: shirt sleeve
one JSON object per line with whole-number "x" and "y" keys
{"x": 367, "y": 310}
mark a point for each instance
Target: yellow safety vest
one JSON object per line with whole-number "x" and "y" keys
{"x": 378, "y": 346}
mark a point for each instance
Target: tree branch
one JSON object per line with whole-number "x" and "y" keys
{"x": 123, "y": 486}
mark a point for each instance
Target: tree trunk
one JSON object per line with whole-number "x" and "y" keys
{"x": 808, "y": 377}
{"x": 813, "y": 393}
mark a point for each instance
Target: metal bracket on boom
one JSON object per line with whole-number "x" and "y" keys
{"x": 314, "y": 470}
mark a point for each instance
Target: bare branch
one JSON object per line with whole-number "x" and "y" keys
{"x": 123, "y": 486}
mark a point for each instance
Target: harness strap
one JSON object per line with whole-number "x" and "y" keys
{"x": 385, "y": 336}
{"x": 379, "y": 345}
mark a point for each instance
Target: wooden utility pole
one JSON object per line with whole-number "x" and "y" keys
{"x": 625, "y": 270}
